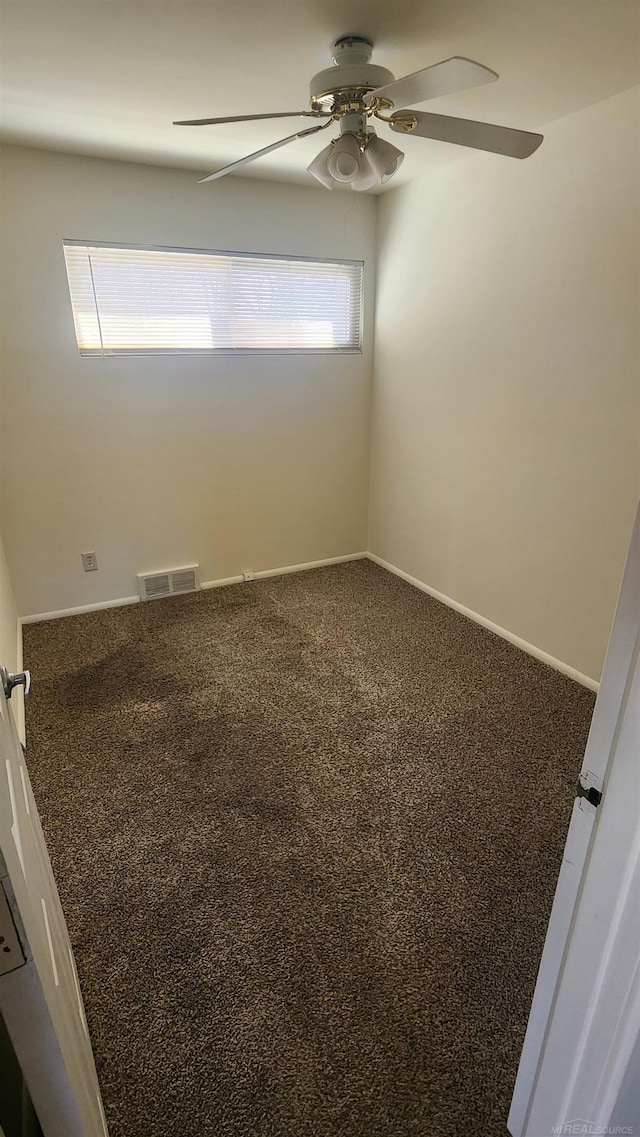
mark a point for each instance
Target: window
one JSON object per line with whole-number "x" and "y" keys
{"x": 160, "y": 301}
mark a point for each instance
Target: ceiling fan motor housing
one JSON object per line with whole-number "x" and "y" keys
{"x": 351, "y": 77}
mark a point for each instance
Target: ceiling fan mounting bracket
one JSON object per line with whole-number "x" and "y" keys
{"x": 351, "y": 49}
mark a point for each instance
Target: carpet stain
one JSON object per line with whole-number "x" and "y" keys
{"x": 306, "y": 833}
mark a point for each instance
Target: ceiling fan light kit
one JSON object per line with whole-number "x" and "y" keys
{"x": 343, "y": 162}
{"x": 366, "y": 178}
{"x": 362, "y": 160}
{"x": 319, "y": 167}
{"x": 384, "y": 158}
{"x": 354, "y": 91}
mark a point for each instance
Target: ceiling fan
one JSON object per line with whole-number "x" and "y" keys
{"x": 354, "y": 91}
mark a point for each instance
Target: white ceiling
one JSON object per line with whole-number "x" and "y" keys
{"x": 106, "y": 78}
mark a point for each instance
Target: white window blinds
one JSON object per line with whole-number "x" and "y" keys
{"x": 160, "y": 301}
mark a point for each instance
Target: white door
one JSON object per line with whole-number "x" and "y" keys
{"x": 40, "y": 997}
{"x": 583, "y": 1037}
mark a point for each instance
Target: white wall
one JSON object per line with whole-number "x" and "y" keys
{"x": 231, "y": 462}
{"x": 505, "y": 454}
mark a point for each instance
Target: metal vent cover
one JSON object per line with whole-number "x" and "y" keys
{"x": 171, "y": 582}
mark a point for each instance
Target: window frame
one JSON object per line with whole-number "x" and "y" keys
{"x": 105, "y": 353}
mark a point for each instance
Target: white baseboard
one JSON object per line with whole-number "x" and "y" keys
{"x": 530, "y": 649}
{"x": 261, "y": 574}
{"x": 39, "y": 617}
{"x": 312, "y": 565}
{"x": 222, "y": 582}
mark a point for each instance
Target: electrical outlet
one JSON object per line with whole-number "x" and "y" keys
{"x": 89, "y": 562}
{"x": 249, "y": 575}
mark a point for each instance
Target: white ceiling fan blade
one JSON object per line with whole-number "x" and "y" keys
{"x": 466, "y": 132}
{"x": 246, "y": 118}
{"x": 265, "y": 150}
{"x": 455, "y": 74}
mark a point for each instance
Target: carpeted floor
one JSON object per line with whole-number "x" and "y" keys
{"x": 306, "y": 833}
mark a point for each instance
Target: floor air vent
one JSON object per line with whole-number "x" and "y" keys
{"x": 154, "y": 585}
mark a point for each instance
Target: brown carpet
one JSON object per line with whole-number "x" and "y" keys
{"x": 306, "y": 833}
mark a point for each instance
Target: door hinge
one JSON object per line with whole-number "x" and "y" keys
{"x": 586, "y": 789}
{"x": 11, "y": 953}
